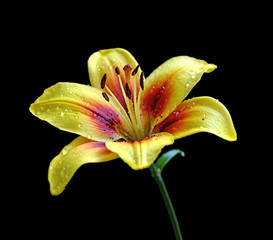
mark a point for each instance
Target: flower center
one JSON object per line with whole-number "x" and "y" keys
{"x": 131, "y": 92}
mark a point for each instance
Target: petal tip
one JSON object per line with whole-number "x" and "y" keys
{"x": 210, "y": 68}
{"x": 34, "y": 109}
{"x": 233, "y": 137}
{"x": 55, "y": 192}
{"x": 30, "y": 108}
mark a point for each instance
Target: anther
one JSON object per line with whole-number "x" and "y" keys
{"x": 117, "y": 70}
{"x": 105, "y": 96}
{"x": 103, "y": 81}
{"x": 128, "y": 91}
{"x": 141, "y": 80}
{"x": 135, "y": 70}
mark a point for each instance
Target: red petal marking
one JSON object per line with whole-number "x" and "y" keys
{"x": 174, "y": 120}
{"x": 113, "y": 84}
{"x": 156, "y": 98}
{"x": 105, "y": 118}
{"x": 99, "y": 145}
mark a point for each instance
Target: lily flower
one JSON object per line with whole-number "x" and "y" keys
{"x": 125, "y": 115}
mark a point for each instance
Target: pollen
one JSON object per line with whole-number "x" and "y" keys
{"x": 135, "y": 70}
{"x": 103, "y": 81}
{"x": 105, "y": 96}
{"x": 141, "y": 80}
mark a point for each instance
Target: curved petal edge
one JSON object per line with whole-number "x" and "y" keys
{"x": 141, "y": 154}
{"x": 74, "y": 155}
{"x": 201, "y": 114}
{"x": 168, "y": 85}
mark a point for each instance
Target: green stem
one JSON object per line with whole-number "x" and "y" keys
{"x": 156, "y": 173}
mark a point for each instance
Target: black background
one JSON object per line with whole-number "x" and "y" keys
{"x": 210, "y": 187}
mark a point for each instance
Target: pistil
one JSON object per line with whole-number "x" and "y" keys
{"x": 129, "y": 105}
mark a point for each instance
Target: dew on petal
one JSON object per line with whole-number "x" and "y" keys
{"x": 89, "y": 136}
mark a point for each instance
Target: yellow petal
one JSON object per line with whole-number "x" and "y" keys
{"x": 79, "y": 109}
{"x": 74, "y": 155}
{"x": 168, "y": 86}
{"x": 141, "y": 154}
{"x": 202, "y": 114}
{"x": 105, "y": 61}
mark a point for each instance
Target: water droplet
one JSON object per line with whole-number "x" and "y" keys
{"x": 62, "y": 114}
{"x": 188, "y": 84}
{"x": 192, "y": 74}
{"x": 79, "y": 125}
{"x": 88, "y": 136}
{"x": 65, "y": 150}
{"x": 49, "y": 108}
{"x": 40, "y": 111}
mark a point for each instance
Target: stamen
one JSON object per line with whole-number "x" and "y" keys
{"x": 131, "y": 113}
{"x": 117, "y": 71}
{"x": 128, "y": 91}
{"x": 105, "y": 96}
{"x": 103, "y": 81}
{"x": 141, "y": 80}
{"x": 129, "y": 105}
{"x": 123, "y": 115}
{"x": 135, "y": 70}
